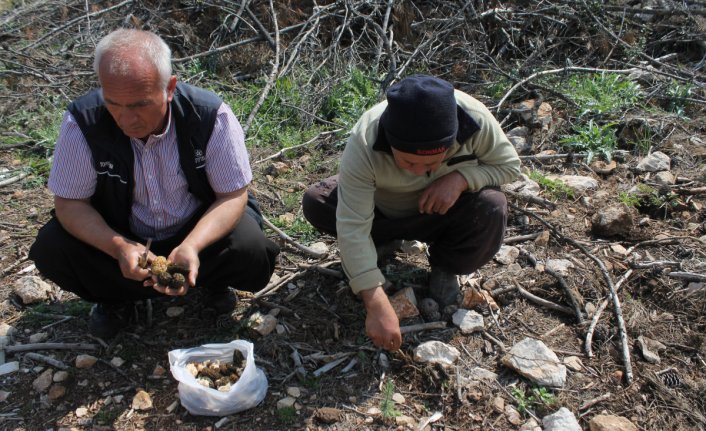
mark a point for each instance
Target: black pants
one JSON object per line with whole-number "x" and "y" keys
{"x": 461, "y": 241}
{"x": 244, "y": 259}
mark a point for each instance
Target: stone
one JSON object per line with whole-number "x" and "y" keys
{"x": 535, "y": 361}
{"x": 429, "y": 310}
{"x": 43, "y": 381}
{"x": 294, "y": 391}
{"x": 543, "y": 239}
{"x": 32, "y": 289}
{"x": 328, "y": 415}
{"x": 142, "y": 401}
{"x": 85, "y": 361}
{"x": 523, "y": 186}
{"x": 603, "y": 168}
{"x": 498, "y": 404}
{"x": 4, "y": 395}
{"x": 7, "y": 330}
{"x": 436, "y": 352}
{"x": 81, "y": 412}
{"x": 404, "y": 303}
{"x": 413, "y": 248}
{"x": 655, "y": 162}
{"x": 481, "y": 374}
{"x": 611, "y": 423}
{"x": 56, "y": 392}
{"x": 60, "y": 376}
{"x": 650, "y": 349}
{"x": 286, "y": 402}
{"x": 612, "y": 220}
{"x": 512, "y": 415}
{"x": 117, "y": 361}
{"x": 263, "y": 324}
{"x": 158, "y": 371}
{"x": 319, "y": 247}
{"x": 468, "y": 321}
{"x": 398, "y": 398}
{"x": 175, "y": 311}
{"x": 39, "y": 337}
{"x": 664, "y": 178}
{"x": 573, "y": 363}
{"x": 560, "y": 266}
{"x": 577, "y": 183}
{"x": 507, "y": 254}
{"x": 561, "y": 420}
{"x": 9, "y": 368}
{"x": 530, "y": 425}
{"x": 405, "y": 421}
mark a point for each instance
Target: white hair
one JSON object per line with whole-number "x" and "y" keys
{"x": 128, "y": 44}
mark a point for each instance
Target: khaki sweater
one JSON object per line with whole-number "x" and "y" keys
{"x": 369, "y": 178}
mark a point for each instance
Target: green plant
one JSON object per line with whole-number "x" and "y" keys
{"x": 349, "y": 98}
{"x": 593, "y": 139}
{"x": 106, "y": 415}
{"x": 539, "y": 398}
{"x": 602, "y": 93}
{"x": 77, "y": 308}
{"x": 629, "y": 199}
{"x": 678, "y": 94}
{"x": 286, "y": 415}
{"x": 387, "y": 405}
{"x": 312, "y": 382}
{"x": 557, "y": 189}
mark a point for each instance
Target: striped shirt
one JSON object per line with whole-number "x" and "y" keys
{"x": 162, "y": 203}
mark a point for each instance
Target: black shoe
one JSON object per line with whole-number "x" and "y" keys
{"x": 444, "y": 288}
{"x": 223, "y": 301}
{"x": 106, "y": 320}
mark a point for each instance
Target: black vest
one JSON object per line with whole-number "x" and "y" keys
{"x": 194, "y": 114}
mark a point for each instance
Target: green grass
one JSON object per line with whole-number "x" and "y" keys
{"x": 602, "y": 93}
{"x": 555, "y": 188}
{"x": 387, "y": 405}
{"x": 678, "y": 93}
{"x": 286, "y": 415}
{"x": 348, "y": 99}
{"x": 594, "y": 139}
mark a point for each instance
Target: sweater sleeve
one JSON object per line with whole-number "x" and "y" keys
{"x": 497, "y": 161}
{"x": 354, "y": 215}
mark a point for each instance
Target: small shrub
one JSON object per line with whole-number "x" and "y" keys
{"x": 556, "y": 188}
{"x": 387, "y": 405}
{"x": 593, "y": 139}
{"x": 602, "y": 93}
{"x": 677, "y": 94}
{"x": 349, "y": 99}
{"x": 540, "y": 399}
{"x": 286, "y": 415}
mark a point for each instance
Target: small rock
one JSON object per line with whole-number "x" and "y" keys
{"x": 604, "y": 168}
{"x": 3, "y": 396}
{"x": 413, "y": 248}
{"x": 611, "y": 423}
{"x": 468, "y": 321}
{"x": 328, "y": 415}
{"x": 117, "y": 361}
{"x": 512, "y": 415}
{"x": 524, "y": 186}
{"x": 118, "y": 398}
{"x": 436, "y": 352}
{"x": 263, "y": 324}
{"x": 405, "y": 421}
{"x": 543, "y": 239}
{"x": 530, "y": 425}
{"x": 573, "y": 363}
{"x": 429, "y": 310}
{"x": 655, "y": 162}
{"x": 319, "y": 247}
{"x": 294, "y": 391}
{"x": 590, "y": 309}
{"x": 85, "y": 361}
{"x": 398, "y": 398}
{"x": 9, "y": 367}
{"x": 499, "y": 404}
{"x": 560, "y": 266}
{"x": 158, "y": 371}
{"x": 534, "y": 360}
{"x": 56, "y": 392}
{"x": 578, "y": 183}
{"x": 81, "y": 412}
{"x": 373, "y": 411}
{"x": 612, "y": 220}
{"x": 142, "y": 401}
{"x": 38, "y": 337}
{"x": 650, "y": 349}
{"x": 384, "y": 361}
{"x": 562, "y": 420}
{"x": 664, "y": 178}
{"x": 7, "y": 330}
{"x": 42, "y": 383}
{"x": 286, "y": 402}
{"x": 174, "y": 311}
{"x": 507, "y": 254}
{"x": 404, "y": 303}
{"x": 619, "y": 249}
{"x": 32, "y": 289}
{"x": 60, "y": 376}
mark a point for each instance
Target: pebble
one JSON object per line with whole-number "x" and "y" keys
{"x": 56, "y": 392}
{"x": 85, "y": 361}
{"x": 42, "y": 383}
{"x": 117, "y": 361}
{"x": 175, "y": 311}
{"x": 142, "y": 401}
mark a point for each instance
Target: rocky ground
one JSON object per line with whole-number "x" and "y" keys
{"x": 590, "y": 317}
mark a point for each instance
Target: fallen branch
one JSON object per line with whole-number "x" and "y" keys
{"x": 594, "y": 401}
{"x": 49, "y": 346}
{"x": 46, "y": 359}
{"x": 540, "y": 301}
{"x": 12, "y": 180}
{"x": 287, "y": 238}
{"x": 569, "y": 293}
{"x": 597, "y": 315}
{"x": 688, "y": 276}
{"x": 293, "y": 147}
{"x": 422, "y": 327}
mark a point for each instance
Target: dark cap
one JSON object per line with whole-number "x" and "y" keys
{"x": 421, "y": 115}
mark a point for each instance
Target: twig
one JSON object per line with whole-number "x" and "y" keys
{"x": 288, "y": 239}
{"x": 689, "y": 276}
{"x": 50, "y": 346}
{"x": 422, "y": 327}
{"x": 495, "y": 341}
{"x": 14, "y": 179}
{"x": 569, "y": 293}
{"x": 293, "y": 147}
{"x": 594, "y": 401}
{"x": 273, "y": 73}
{"x": 521, "y": 238}
{"x": 263, "y": 31}
{"x": 597, "y": 315}
{"x": 542, "y": 302}
{"x": 64, "y": 319}
{"x": 46, "y": 359}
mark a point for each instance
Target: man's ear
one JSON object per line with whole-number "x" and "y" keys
{"x": 171, "y": 86}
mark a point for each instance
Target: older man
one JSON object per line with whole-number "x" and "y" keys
{"x": 422, "y": 165}
{"x": 145, "y": 157}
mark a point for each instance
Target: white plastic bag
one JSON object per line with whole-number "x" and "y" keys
{"x": 246, "y": 393}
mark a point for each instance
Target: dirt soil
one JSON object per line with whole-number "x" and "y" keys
{"x": 320, "y": 320}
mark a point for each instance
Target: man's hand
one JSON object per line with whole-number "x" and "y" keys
{"x": 442, "y": 194}
{"x": 128, "y": 256}
{"x": 186, "y": 256}
{"x": 381, "y": 323}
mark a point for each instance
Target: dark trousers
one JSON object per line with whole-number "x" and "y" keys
{"x": 244, "y": 259}
{"x": 460, "y": 241}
